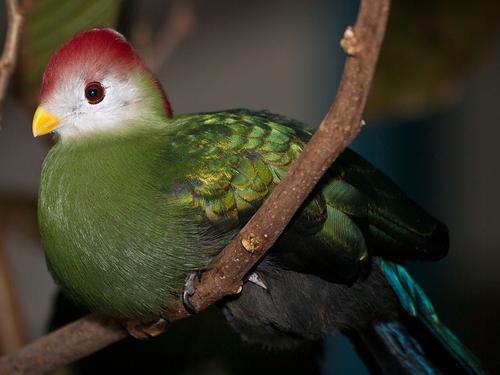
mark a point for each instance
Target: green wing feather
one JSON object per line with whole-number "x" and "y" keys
{"x": 355, "y": 210}
{"x": 240, "y": 159}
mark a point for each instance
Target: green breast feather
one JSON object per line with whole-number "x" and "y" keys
{"x": 140, "y": 211}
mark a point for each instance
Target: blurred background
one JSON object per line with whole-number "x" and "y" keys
{"x": 433, "y": 122}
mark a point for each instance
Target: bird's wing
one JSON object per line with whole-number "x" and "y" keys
{"x": 354, "y": 211}
{"x": 239, "y": 158}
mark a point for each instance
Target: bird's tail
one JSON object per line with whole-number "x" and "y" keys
{"x": 418, "y": 344}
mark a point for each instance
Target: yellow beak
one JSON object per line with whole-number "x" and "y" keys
{"x": 44, "y": 122}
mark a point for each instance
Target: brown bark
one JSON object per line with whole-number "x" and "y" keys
{"x": 68, "y": 344}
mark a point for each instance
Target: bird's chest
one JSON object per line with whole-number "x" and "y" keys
{"x": 103, "y": 233}
{"x": 89, "y": 204}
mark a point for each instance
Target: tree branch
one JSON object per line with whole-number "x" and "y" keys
{"x": 337, "y": 130}
{"x": 11, "y": 327}
{"x": 340, "y": 126}
{"x": 68, "y": 344}
{"x": 179, "y": 24}
{"x": 9, "y": 55}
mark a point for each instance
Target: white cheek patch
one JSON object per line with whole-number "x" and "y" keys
{"x": 122, "y": 101}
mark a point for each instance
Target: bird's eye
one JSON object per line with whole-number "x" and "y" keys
{"x": 94, "y": 92}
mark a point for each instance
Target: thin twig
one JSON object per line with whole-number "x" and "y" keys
{"x": 10, "y": 50}
{"x": 338, "y": 129}
{"x": 11, "y": 327}
{"x": 179, "y": 24}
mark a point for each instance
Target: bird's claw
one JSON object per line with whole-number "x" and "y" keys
{"x": 256, "y": 279}
{"x": 188, "y": 292}
{"x": 144, "y": 330}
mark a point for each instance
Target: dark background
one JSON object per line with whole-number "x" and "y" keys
{"x": 432, "y": 125}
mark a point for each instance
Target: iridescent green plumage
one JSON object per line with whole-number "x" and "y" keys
{"x": 245, "y": 154}
{"x": 140, "y": 210}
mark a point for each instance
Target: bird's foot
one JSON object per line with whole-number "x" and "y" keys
{"x": 256, "y": 279}
{"x": 189, "y": 289}
{"x": 188, "y": 292}
{"x": 144, "y": 330}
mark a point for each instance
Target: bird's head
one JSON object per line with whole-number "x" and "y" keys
{"x": 96, "y": 83}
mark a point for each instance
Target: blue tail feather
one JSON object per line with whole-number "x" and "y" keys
{"x": 417, "y": 304}
{"x": 405, "y": 348}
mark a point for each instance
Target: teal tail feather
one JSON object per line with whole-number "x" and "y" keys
{"x": 389, "y": 348}
{"x": 417, "y": 305}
